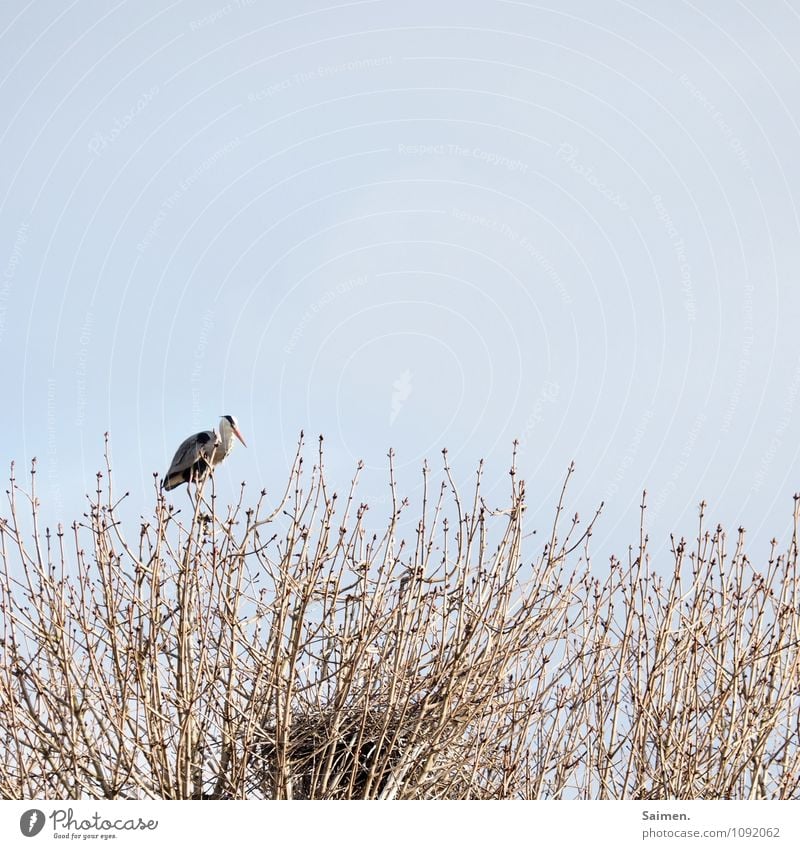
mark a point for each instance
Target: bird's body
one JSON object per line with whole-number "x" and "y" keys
{"x": 198, "y": 454}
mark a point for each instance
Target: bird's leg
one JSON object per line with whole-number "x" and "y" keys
{"x": 197, "y": 477}
{"x": 198, "y": 516}
{"x": 192, "y": 501}
{"x": 202, "y": 480}
{"x": 213, "y": 496}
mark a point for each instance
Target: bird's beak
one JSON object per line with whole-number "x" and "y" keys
{"x": 240, "y": 437}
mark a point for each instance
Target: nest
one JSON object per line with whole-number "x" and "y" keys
{"x": 335, "y": 755}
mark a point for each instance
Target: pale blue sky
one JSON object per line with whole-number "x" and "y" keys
{"x": 412, "y": 225}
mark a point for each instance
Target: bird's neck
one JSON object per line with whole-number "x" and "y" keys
{"x": 225, "y": 437}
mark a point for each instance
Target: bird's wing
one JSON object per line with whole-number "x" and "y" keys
{"x": 196, "y": 447}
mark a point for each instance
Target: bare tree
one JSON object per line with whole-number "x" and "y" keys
{"x": 293, "y": 652}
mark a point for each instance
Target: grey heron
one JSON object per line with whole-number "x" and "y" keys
{"x": 198, "y": 454}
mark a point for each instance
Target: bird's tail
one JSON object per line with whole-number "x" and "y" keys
{"x": 172, "y": 481}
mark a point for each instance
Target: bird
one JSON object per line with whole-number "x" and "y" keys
{"x": 197, "y": 455}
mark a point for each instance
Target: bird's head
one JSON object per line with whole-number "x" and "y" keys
{"x": 228, "y": 423}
